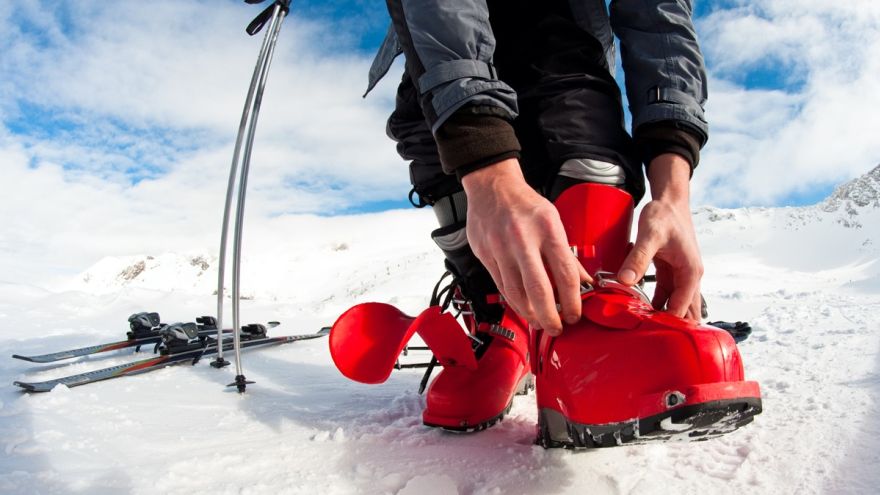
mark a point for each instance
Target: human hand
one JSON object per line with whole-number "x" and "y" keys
{"x": 666, "y": 235}
{"x": 518, "y": 236}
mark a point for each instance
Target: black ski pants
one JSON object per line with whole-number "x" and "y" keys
{"x": 569, "y": 105}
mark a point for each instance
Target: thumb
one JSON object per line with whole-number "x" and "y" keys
{"x": 636, "y": 263}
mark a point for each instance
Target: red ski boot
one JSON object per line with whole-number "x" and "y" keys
{"x": 472, "y": 399}
{"x": 627, "y": 373}
{"x": 483, "y": 368}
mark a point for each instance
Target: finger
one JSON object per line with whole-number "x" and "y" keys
{"x": 567, "y": 277}
{"x": 639, "y": 258}
{"x": 695, "y": 310}
{"x": 539, "y": 292}
{"x": 497, "y": 277}
{"x": 584, "y": 276}
{"x": 687, "y": 285}
{"x": 661, "y": 296}
{"x": 515, "y": 293}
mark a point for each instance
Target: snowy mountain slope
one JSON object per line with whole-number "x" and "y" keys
{"x": 806, "y": 278}
{"x": 306, "y": 264}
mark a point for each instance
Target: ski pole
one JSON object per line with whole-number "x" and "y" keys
{"x": 220, "y": 362}
{"x": 272, "y": 17}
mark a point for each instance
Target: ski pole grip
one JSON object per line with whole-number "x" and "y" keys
{"x": 257, "y": 24}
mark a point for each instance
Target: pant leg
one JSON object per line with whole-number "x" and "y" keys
{"x": 570, "y": 107}
{"x": 415, "y": 142}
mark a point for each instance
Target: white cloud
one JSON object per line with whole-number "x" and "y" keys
{"x": 766, "y": 145}
{"x": 162, "y": 84}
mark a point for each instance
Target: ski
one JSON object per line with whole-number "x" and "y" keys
{"x": 145, "y": 330}
{"x": 192, "y": 351}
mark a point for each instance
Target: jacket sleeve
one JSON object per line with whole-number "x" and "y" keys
{"x": 665, "y": 75}
{"x": 449, "y": 47}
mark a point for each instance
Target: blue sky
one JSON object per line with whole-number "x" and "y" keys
{"x": 120, "y": 117}
{"x": 142, "y": 147}
{"x": 117, "y": 119}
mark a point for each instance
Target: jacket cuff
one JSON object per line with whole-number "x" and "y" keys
{"x": 667, "y": 137}
{"x": 468, "y": 141}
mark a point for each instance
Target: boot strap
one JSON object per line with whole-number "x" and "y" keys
{"x": 498, "y": 330}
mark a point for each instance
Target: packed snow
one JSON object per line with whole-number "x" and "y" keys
{"x": 805, "y": 278}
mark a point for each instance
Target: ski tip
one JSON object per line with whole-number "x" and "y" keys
{"x": 324, "y": 331}
{"x": 273, "y": 324}
{"x": 23, "y": 358}
{"x": 26, "y": 386}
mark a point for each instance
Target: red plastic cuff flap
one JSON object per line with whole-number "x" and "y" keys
{"x": 366, "y": 340}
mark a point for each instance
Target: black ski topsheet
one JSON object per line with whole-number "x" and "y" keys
{"x": 92, "y": 349}
{"x": 95, "y": 349}
{"x": 161, "y": 361}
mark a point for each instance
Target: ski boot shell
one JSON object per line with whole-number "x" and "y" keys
{"x": 474, "y": 389}
{"x": 626, "y": 373}
{"x": 465, "y": 399}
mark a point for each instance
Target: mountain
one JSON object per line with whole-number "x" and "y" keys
{"x": 804, "y": 278}
{"x": 862, "y": 192}
{"x": 841, "y": 230}
{"x": 167, "y": 271}
{"x": 847, "y": 223}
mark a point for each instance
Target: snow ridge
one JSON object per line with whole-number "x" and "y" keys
{"x": 862, "y": 192}
{"x": 806, "y": 282}
{"x": 167, "y": 271}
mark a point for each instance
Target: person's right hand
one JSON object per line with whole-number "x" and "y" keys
{"x": 666, "y": 236}
{"x": 518, "y": 236}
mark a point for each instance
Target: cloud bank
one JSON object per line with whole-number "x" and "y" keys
{"x": 117, "y": 119}
{"x": 120, "y": 118}
{"x": 809, "y": 120}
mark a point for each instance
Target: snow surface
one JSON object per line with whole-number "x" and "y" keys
{"x": 806, "y": 279}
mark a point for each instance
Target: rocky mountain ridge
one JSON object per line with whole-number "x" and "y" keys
{"x": 846, "y": 223}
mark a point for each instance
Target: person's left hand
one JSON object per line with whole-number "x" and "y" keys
{"x": 666, "y": 235}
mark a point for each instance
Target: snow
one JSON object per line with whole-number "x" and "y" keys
{"x": 805, "y": 278}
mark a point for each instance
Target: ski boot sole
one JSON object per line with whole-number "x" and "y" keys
{"x": 695, "y": 422}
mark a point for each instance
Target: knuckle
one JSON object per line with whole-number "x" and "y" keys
{"x": 546, "y": 221}
{"x": 535, "y": 289}
{"x": 642, "y": 254}
{"x": 515, "y": 292}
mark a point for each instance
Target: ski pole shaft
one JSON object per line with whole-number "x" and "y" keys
{"x": 274, "y": 27}
{"x": 230, "y": 188}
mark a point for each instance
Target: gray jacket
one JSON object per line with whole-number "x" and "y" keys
{"x": 665, "y": 74}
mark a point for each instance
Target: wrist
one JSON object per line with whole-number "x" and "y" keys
{"x": 669, "y": 175}
{"x": 489, "y": 177}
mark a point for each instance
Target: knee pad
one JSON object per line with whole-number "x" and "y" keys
{"x": 595, "y": 171}
{"x": 580, "y": 170}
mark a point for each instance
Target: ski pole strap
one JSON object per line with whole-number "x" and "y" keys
{"x": 257, "y": 24}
